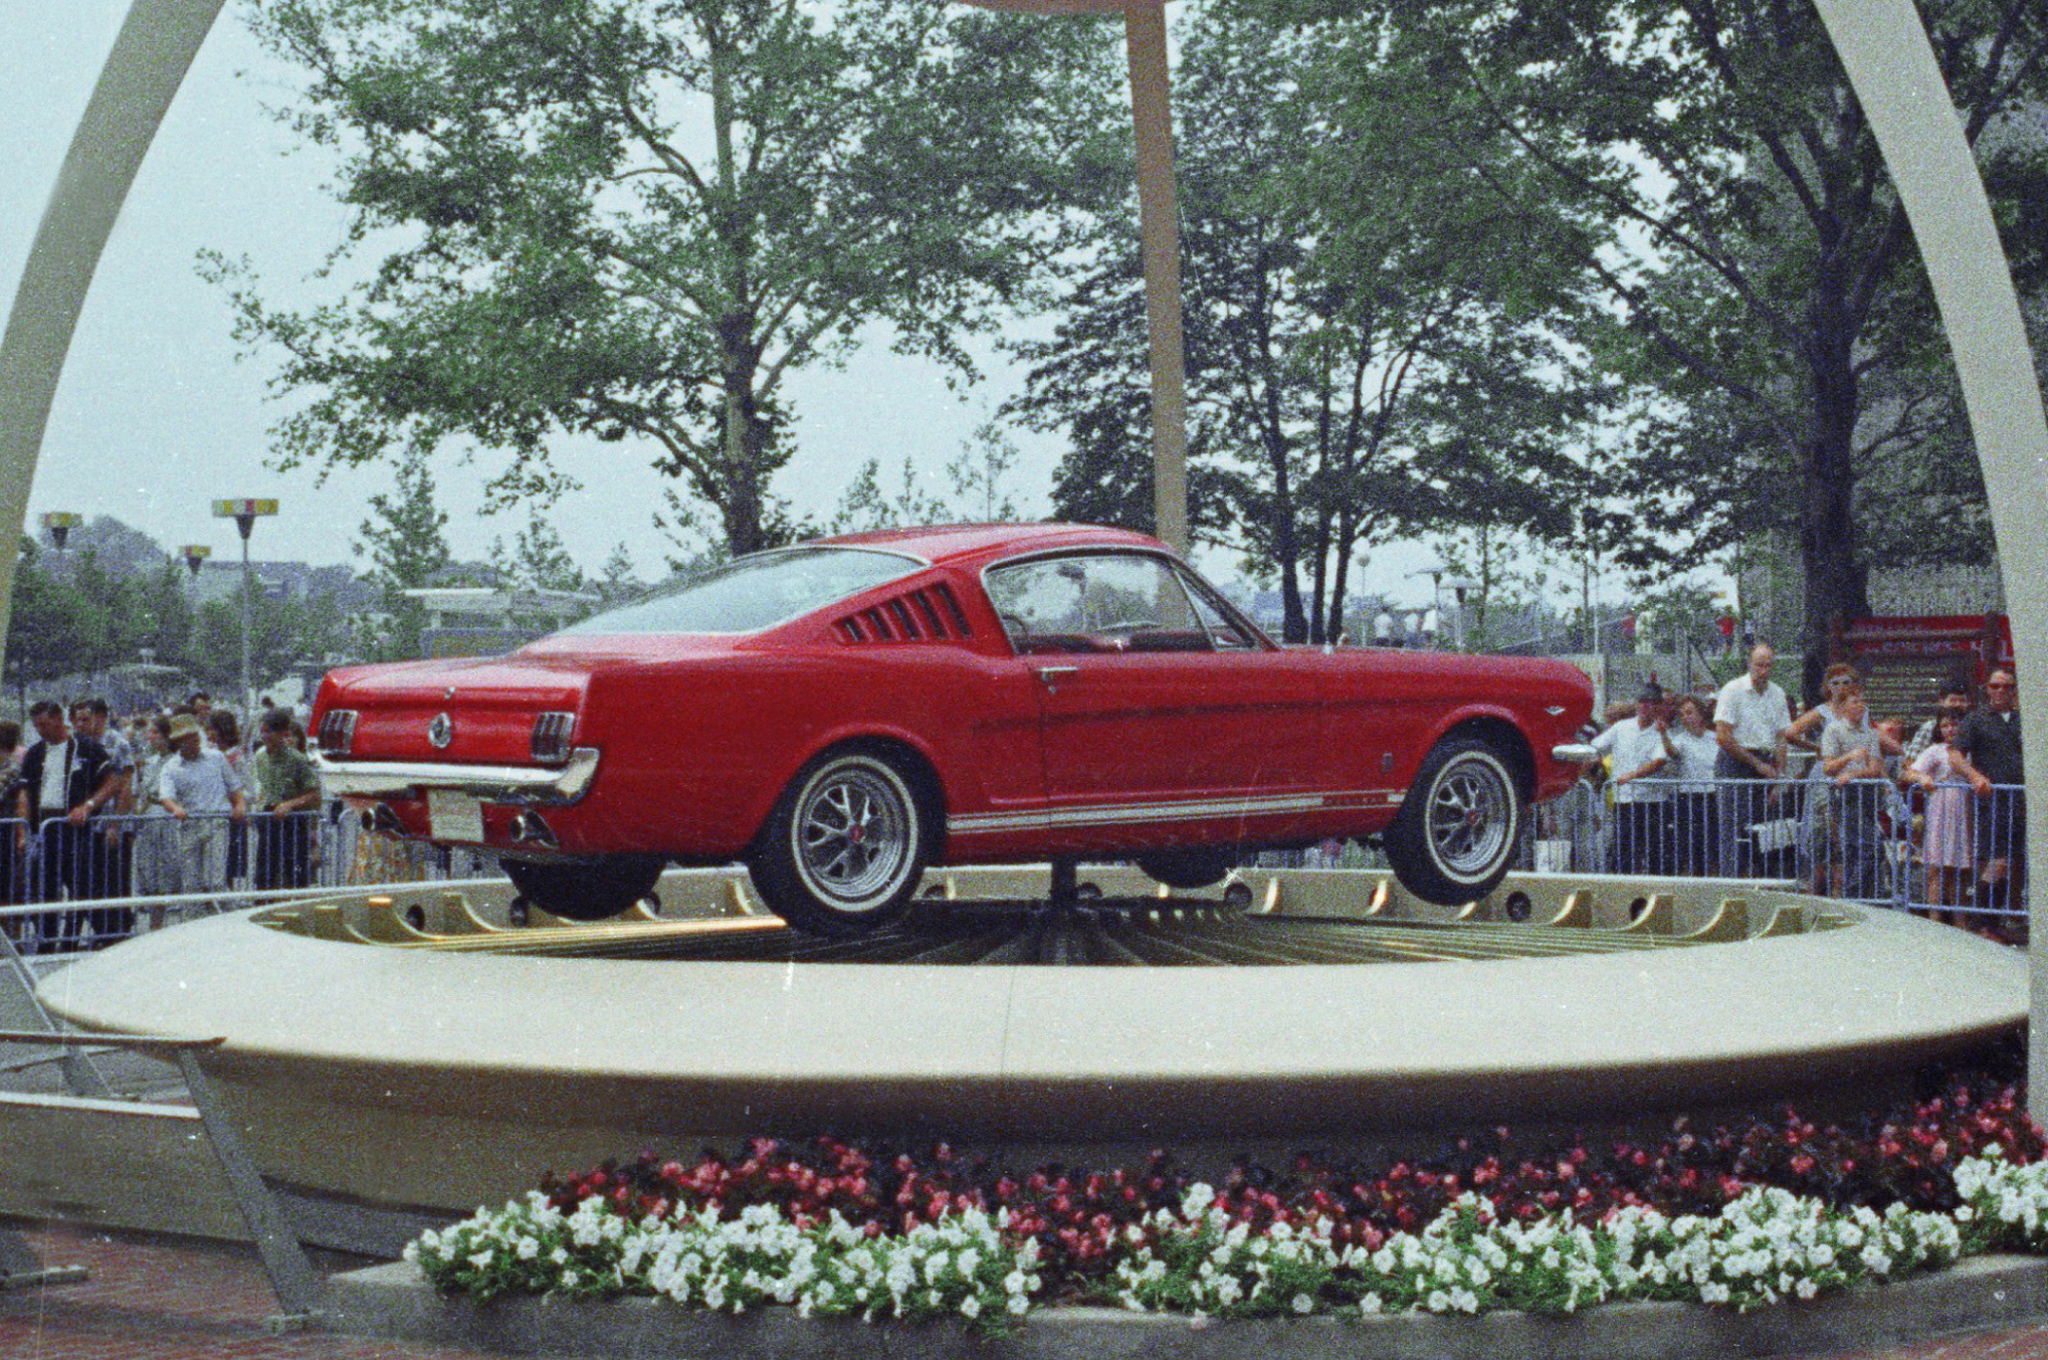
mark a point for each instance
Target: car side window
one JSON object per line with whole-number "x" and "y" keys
{"x": 1110, "y": 602}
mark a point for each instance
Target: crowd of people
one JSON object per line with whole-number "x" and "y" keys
{"x": 1738, "y": 786}
{"x": 160, "y": 804}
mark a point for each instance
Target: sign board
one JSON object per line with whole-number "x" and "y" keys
{"x": 237, "y": 509}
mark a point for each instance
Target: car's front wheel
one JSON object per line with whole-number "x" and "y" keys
{"x": 589, "y": 891}
{"x": 1459, "y": 825}
{"x": 845, "y": 846}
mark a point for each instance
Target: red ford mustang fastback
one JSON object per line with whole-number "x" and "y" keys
{"x": 842, "y": 714}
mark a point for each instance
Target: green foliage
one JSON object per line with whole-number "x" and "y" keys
{"x": 53, "y": 629}
{"x": 76, "y": 615}
{"x": 537, "y": 560}
{"x": 977, "y": 474}
{"x": 406, "y": 542}
{"x": 618, "y": 583}
{"x": 1511, "y": 578}
{"x": 632, "y": 219}
{"x": 1769, "y": 309}
{"x": 1374, "y": 348}
{"x": 868, "y": 505}
{"x": 284, "y": 632}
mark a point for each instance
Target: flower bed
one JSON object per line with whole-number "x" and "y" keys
{"x": 1777, "y": 1210}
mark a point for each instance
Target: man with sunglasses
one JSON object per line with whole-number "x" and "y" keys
{"x": 1990, "y": 740}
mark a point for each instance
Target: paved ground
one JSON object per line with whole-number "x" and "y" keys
{"x": 165, "y": 1299}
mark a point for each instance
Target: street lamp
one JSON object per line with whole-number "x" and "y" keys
{"x": 1159, "y": 238}
{"x": 58, "y": 524}
{"x": 244, "y": 514}
{"x": 1460, "y": 589}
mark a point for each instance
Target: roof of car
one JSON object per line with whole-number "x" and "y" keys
{"x": 948, "y": 542}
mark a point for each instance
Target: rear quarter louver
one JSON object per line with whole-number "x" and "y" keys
{"x": 928, "y": 614}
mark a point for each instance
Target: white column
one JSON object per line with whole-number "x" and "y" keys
{"x": 1891, "y": 64}
{"x": 1159, "y": 227}
{"x": 149, "y": 59}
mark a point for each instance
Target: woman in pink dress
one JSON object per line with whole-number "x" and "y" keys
{"x": 1947, "y": 850}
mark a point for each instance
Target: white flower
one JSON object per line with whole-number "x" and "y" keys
{"x": 1304, "y": 1304}
{"x": 970, "y": 1307}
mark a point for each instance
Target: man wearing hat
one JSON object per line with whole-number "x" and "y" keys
{"x": 1635, "y": 751}
{"x": 196, "y": 786}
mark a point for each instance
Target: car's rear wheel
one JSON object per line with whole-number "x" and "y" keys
{"x": 588, "y": 891}
{"x": 845, "y": 846}
{"x": 1188, "y": 869}
{"x": 1458, "y": 827}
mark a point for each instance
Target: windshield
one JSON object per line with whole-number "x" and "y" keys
{"x": 755, "y": 592}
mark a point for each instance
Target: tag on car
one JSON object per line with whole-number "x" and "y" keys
{"x": 453, "y": 816}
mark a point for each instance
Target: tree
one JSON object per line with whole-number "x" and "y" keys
{"x": 406, "y": 542}
{"x": 868, "y": 505}
{"x": 634, "y": 218}
{"x": 1774, "y": 308}
{"x": 1509, "y": 580}
{"x": 53, "y": 629}
{"x": 537, "y": 559}
{"x": 1371, "y": 351}
{"x": 977, "y": 474}
{"x": 279, "y": 639}
{"x": 618, "y": 584}
{"x": 166, "y": 611}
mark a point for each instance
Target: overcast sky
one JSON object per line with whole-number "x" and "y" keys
{"x": 156, "y": 418}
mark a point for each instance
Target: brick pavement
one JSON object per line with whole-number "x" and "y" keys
{"x": 154, "y": 1298}
{"x": 166, "y": 1299}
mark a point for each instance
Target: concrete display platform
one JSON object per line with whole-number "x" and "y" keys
{"x": 453, "y": 1062}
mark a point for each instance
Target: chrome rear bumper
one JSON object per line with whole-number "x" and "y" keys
{"x": 1575, "y": 753}
{"x": 550, "y": 786}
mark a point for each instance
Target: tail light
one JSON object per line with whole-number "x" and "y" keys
{"x": 551, "y": 733}
{"x": 337, "y": 731}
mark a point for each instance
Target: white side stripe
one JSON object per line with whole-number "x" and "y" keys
{"x": 1207, "y": 810}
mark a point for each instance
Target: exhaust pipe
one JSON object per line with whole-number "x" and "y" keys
{"x": 528, "y": 828}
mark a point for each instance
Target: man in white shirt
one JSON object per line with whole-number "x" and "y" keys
{"x": 1635, "y": 751}
{"x": 1750, "y": 717}
{"x": 198, "y": 779}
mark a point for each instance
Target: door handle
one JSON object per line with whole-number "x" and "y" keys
{"x": 1051, "y": 676}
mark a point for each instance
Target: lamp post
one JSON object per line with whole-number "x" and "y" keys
{"x": 244, "y": 513}
{"x": 1460, "y": 590}
{"x": 1159, "y": 237}
{"x": 58, "y": 524}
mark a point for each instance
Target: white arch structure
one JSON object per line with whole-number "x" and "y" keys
{"x": 1883, "y": 46}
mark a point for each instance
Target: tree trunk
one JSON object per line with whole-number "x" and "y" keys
{"x": 1837, "y": 579}
{"x": 744, "y": 436}
{"x": 1287, "y": 548}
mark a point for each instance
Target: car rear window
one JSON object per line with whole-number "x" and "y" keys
{"x": 755, "y": 592}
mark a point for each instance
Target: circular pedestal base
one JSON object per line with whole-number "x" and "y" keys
{"x": 416, "y": 1049}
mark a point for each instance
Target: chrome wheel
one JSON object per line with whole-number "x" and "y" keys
{"x": 846, "y": 845}
{"x": 854, "y": 832}
{"x": 1470, "y": 811}
{"x": 1458, "y": 828}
